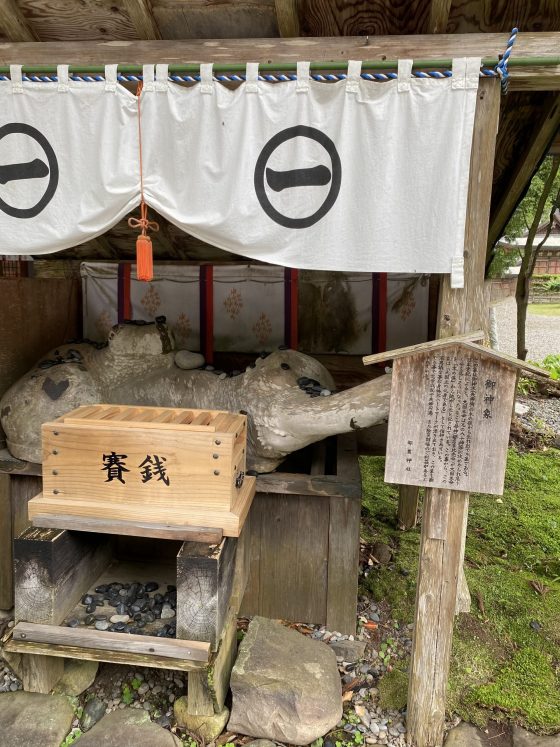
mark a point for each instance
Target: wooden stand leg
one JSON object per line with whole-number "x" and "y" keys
{"x": 208, "y": 688}
{"x": 6, "y": 558}
{"x": 407, "y": 513}
{"x": 40, "y": 674}
{"x": 204, "y": 584}
{"x": 440, "y": 563}
{"x": 463, "y": 601}
{"x": 52, "y": 568}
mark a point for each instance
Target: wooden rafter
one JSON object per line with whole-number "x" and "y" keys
{"x": 432, "y": 46}
{"x": 527, "y": 163}
{"x": 288, "y": 17}
{"x": 439, "y": 16}
{"x": 14, "y": 24}
{"x": 142, "y": 17}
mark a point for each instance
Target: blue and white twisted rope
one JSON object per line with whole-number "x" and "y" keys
{"x": 240, "y": 78}
{"x": 502, "y": 66}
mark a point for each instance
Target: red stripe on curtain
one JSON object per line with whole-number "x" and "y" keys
{"x": 206, "y": 280}
{"x": 124, "y": 306}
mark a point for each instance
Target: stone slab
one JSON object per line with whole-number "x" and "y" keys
{"x": 128, "y": 727}
{"x": 464, "y": 735}
{"x": 34, "y": 719}
{"x": 522, "y": 738}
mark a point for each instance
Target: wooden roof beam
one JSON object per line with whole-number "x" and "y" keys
{"x": 288, "y": 17}
{"x": 142, "y": 17}
{"x": 14, "y": 24}
{"x": 527, "y": 163}
{"x": 430, "y": 46}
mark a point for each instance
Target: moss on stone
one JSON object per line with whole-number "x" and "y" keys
{"x": 511, "y": 639}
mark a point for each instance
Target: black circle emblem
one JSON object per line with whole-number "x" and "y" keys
{"x": 279, "y": 180}
{"x": 33, "y": 169}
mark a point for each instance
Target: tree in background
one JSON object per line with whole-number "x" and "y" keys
{"x": 542, "y": 198}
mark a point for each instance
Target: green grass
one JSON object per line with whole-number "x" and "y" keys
{"x": 544, "y": 309}
{"x": 502, "y": 667}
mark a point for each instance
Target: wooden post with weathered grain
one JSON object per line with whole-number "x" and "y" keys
{"x": 407, "y": 512}
{"x": 440, "y": 563}
{"x": 441, "y": 582}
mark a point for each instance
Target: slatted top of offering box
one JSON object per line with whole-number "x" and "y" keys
{"x": 206, "y": 421}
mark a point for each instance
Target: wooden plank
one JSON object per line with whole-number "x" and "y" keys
{"x": 201, "y": 19}
{"x": 204, "y": 583}
{"x": 343, "y": 559}
{"x": 130, "y": 658}
{"x": 422, "y": 347}
{"x": 439, "y": 16}
{"x": 440, "y": 564}
{"x": 52, "y": 568}
{"x": 288, "y": 17}
{"x": 22, "y": 490}
{"x": 40, "y": 674}
{"x": 288, "y": 483}
{"x": 229, "y": 522}
{"x": 14, "y": 24}
{"x": 6, "y": 556}
{"x": 96, "y": 639}
{"x": 407, "y": 512}
{"x": 507, "y": 359}
{"x": 286, "y": 50}
{"x": 10, "y": 465}
{"x": 140, "y": 12}
{"x": 290, "y": 550}
{"x": 128, "y": 528}
{"x": 526, "y": 163}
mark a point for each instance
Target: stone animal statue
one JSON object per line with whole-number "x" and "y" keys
{"x": 287, "y": 395}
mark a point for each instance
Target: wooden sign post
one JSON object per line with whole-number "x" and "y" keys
{"x": 449, "y": 422}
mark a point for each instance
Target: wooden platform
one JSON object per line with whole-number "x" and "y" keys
{"x": 81, "y": 513}
{"x": 55, "y": 568}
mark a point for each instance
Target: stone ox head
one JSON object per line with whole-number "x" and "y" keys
{"x": 139, "y": 366}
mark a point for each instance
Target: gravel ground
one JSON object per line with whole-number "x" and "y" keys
{"x": 540, "y": 415}
{"x": 543, "y": 332}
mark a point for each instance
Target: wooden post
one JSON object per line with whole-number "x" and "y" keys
{"x": 204, "y": 583}
{"x": 441, "y": 557}
{"x": 407, "y": 512}
{"x": 52, "y": 569}
{"x": 440, "y": 562}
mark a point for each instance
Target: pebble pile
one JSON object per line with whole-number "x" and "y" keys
{"x": 136, "y": 607}
{"x": 383, "y": 643}
{"x": 8, "y": 681}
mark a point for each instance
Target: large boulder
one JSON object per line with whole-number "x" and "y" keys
{"x": 285, "y": 686}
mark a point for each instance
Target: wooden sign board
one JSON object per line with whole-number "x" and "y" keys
{"x": 449, "y": 420}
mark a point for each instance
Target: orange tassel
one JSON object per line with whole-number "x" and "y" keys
{"x": 144, "y": 259}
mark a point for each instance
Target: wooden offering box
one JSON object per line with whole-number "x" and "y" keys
{"x": 150, "y": 465}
